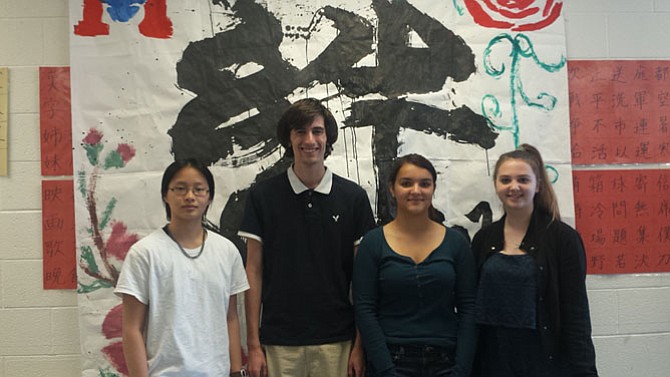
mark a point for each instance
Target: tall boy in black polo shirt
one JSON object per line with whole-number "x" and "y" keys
{"x": 302, "y": 228}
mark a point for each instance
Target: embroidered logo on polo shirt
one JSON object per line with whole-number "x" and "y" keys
{"x": 336, "y": 217}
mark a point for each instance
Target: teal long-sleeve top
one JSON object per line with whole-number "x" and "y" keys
{"x": 397, "y": 301}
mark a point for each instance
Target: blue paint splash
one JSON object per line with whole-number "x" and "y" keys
{"x": 123, "y": 10}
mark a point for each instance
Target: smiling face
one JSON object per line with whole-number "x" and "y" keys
{"x": 413, "y": 189}
{"x": 188, "y": 195}
{"x": 309, "y": 142}
{"x": 516, "y": 185}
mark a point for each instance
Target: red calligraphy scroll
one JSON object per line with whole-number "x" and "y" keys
{"x": 58, "y": 239}
{"x": 619, "y": 111}
{"x": 55, "y": 121}
{"x": 624, "y": 219}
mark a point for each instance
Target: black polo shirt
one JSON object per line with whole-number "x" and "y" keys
{"x": 308, "y": 238}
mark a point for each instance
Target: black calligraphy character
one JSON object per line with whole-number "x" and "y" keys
{"x": 619, "y": 209}
{"x": 663, "y": 98}
{"x": 641, "y": 209}
{"x": 663, "y": 124}
{"x": 642, "y": 127}
{"x": 641, "y": 234}
{"x": 597, "y": 262}
{"x": 573, "y": 99}
{"x": 598, "y": 211}
{"x": 577, "y": 151}
{"x": 641, "y": 260}
{"x": 598, "y": 237}
{"x": 619, "y": 184}
{"x": 617, "y": 74}
{"x": 641, "y": 99}
{"x": 597, "y": 99}
{"x": 621, "y": 261}
{"x": 640, "y": 73}
{"x": 664, "y": 208}
{"x": 664, "y": 234}
{"x": 596, "y": 183}
{"x": 621, "y": 152}
{"x": 599, "y": 152}
{"x": 53, "y": 248}
{"x": 232, "y": 119}
{"x": 53, "y": 194}
{"x": 643, "y": 150}
{"x": 598, "y": 124}
{"x": 619, "y": 100}
{"x": 641, "y": 182}
{"x": 619, "y": 236}
{"x": 620, "y": 125}
{"x": 54, "y": 222}
{"x": 575, "y": 124}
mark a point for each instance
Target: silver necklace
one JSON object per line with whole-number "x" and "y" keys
{"x": 202, "y": 247}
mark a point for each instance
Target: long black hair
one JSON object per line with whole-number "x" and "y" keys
{"x": 172, "y": 170}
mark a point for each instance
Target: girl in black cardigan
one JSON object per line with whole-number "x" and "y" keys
{"x": 532, "y": 307}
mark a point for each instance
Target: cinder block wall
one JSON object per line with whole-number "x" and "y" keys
{"x": 39, "y": 334}
{"x": 630, "y": 313}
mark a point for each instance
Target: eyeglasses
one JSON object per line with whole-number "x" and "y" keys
{"x": 183, "y": 190}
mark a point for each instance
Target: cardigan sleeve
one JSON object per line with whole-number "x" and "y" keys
{"x": 465, "y": 305}
{"x": 574, "y": 306}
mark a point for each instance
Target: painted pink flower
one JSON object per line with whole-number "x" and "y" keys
{"x": 114, "y": 354}
{"x": 93, "y": 137}
{"x": 111, "y": 325}
{"x": 111, "y": 329}
{"x": 515, "y": 15}
{"x": 119, "y": 242}
{"x": 126, "y": 151}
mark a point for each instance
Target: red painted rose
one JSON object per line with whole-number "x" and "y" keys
{"x": 93, "y": 137}
{"x": 120, "y": 240}
{"x": 515, "y": 15}
{"x": 111, "y": 329}
{"x": 126, "y": 152}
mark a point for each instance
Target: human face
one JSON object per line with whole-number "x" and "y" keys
{"x": 309, "y": 142}
{"x": 516, "y": 185}
{"x": 187, "y": 206}
{"x": 413, "y": 189}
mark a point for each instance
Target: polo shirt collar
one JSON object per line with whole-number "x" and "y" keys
{"x": 323, "y": 188}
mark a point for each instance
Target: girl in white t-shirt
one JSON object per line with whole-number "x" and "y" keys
{"x": 178, "y": 284}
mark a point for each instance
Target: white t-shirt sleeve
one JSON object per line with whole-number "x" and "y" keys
{"x": 134, "y": 277}
{"x": 238, "y": 275}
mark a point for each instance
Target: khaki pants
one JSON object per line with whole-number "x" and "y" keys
{"x": 322, "y": 360}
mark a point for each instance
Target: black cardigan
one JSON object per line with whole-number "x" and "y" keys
{"x": 563, "y": 317}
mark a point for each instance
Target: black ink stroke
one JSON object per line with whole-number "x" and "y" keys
{"x": 232, "y": 119}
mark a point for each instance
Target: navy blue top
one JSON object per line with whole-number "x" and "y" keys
{"x": 308, "y": 251}
{"x": 507, "y": 291}
{"x": 398, "y": 301}
{"x": 563, "y": 317}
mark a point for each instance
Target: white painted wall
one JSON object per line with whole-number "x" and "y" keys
{"x": 39, "y": 334}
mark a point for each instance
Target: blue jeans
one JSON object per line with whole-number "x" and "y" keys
{"x": 421, "y": 361}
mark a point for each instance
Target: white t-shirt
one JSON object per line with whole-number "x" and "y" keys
{"x": 186, "y": 328}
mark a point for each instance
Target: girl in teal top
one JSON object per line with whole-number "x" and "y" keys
{"x": 414, "y": 285}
